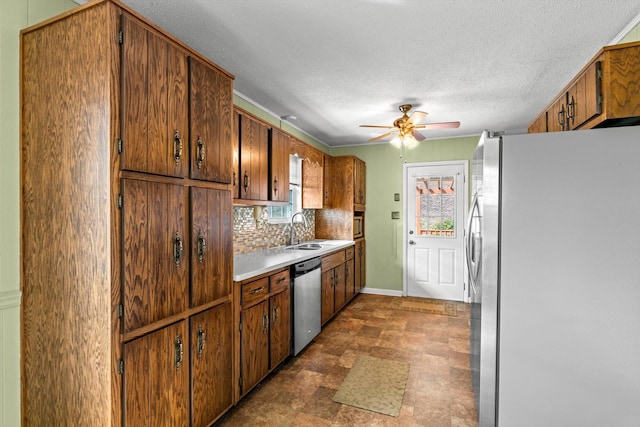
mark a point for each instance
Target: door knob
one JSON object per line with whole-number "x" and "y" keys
{"x": 411, "y": 242}
{"x": 410, "y": 231}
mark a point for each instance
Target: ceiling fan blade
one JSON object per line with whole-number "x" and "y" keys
{"x": 383, "y": 136}
{"x": 416, "y": 117}
{"x": 417, "y": 135}
{"x": 443, "y": 125}
{"x": 376, "y": 126}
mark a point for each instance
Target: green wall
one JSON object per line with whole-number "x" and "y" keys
{"x": 14, "y": 15}
{"x": 633, "y": 35}
{"x": 384, "y": 179}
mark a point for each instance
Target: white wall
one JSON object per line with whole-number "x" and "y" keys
{"x": 14, "y": 15}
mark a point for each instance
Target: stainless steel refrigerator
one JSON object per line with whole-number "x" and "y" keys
{"x": 553, "y": 250}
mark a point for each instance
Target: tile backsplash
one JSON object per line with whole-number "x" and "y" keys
{"x": 251, "y": 234}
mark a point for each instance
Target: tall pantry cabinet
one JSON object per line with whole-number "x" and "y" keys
{"x": 126, "y": 244}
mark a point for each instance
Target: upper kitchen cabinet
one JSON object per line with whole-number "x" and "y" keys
{"x": 155, "y": 109}
{"x": 162, "y": 86}
{"x": 260, "y": 161}
{"x": 211, "y": 105}
{"x": 326, "y": 181}
{"x": 346, "y": 185}
{"x": 312, "y": 173}
{"x": 278, "y": 166}
{"x": 606, "y": 92}
{"x": 253, "y": 158}
{"x": 359, "y": 184}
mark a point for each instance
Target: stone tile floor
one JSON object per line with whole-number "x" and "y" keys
{"x": 438, "y": 393}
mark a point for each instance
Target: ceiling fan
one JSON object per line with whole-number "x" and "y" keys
{"x": 406, "y": 128}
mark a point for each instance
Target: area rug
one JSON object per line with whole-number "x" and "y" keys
{"x": 425, "y": 305}
{"x": 374, "y": 384}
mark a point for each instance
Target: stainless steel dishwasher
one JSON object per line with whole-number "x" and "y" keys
{"x": 306, "y": 301}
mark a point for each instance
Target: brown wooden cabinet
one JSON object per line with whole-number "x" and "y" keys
{"x": 133, "y": 237}
{"x": 211, "y": 107}
{"x": 349, "y": 274}
{"x": 157, "y": 386}
{"x": 359, "y": 184}
{"x": 346, "y": 181}
{"x": 604, "y": 93}
{"x": 155, "y": 101}
{"x": 278, "y": 166}
{"x": 327, "y": 200}
{"x": 211, "y": 356}
{"x": 253, "y": 143}
{"x": 211, "y": 245}
{"x": 312, "y": 173}
{"x": 333, "y": 284}
{"x": 359, "y": 265}
{"x": 264, "y": 326}
{"x": 156, "y": 255}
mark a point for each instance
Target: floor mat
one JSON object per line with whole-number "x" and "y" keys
{"x": 374, "y": 384}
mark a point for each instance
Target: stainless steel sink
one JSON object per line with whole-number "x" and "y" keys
{"x": 306, "y": 247}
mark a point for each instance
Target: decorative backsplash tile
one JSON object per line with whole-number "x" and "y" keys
{"x": 251, "y": 234}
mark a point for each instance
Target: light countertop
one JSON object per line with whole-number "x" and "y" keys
{"x": 255, "y": 263}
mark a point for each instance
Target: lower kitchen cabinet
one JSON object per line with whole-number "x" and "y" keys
{"x": 254, "y": 350}
{"x": 349, "y": 275}
{"x": 333, "y": 284}
{"x": 211, "y": 357}
{"x": 156, "y": 378}
{"x": 359, "y": 265}
{"x": 265, "y": 327}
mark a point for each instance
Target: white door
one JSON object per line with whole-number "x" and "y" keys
{"x": 435, "y": 205}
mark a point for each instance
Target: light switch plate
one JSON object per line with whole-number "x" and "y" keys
{"x": 395, "y": 215}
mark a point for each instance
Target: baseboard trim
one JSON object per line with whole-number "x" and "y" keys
{"x": 378, "y": 291}
{"x": 10, "y": 299}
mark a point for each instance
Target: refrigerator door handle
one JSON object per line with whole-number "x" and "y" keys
{"x": 468, "y": 242}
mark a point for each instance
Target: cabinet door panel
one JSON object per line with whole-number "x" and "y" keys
{"x": 254, "y": 159}
{"x": 359, "y": 265}
{"x": 327, "y": 171}
{"x": 155, "y": 271}
{"x": 211, "y": 121}
{"x": 211, "y": 242}
{"x": 349, "y": 279}
{"x": 279, "y": 166}
{"x": 340, "y": 287}
{"x": 155, "y": 108}
{"x": 211, "y": 358}
{"x": 254, "y": 350}
{"x": 328, "y": 304}
{"x": 157, "y": 378}
{"x": 359, "y": 187}
{"x": 280, "y": 327}
{"x": 235, "y": 170}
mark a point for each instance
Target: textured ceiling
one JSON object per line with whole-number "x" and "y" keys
{"x": 336, "y": 64}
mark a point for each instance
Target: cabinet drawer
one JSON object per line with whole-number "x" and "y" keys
{"x": 279, "y": 281}
{"x": 349, "y": 252}
{"x": 333, "y": 260}
{"x": 255, "y": 291}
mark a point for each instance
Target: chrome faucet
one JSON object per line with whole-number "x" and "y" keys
{"x": 306, "y": 224}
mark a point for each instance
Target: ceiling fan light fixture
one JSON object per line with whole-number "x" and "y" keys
{"x": 410, "y": 141}
{"x": 396, "y": 141}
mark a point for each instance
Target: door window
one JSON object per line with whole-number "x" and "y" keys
{"x": 435, "y": 206}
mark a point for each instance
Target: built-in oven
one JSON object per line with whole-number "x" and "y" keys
{"x": 358, "y": 225}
